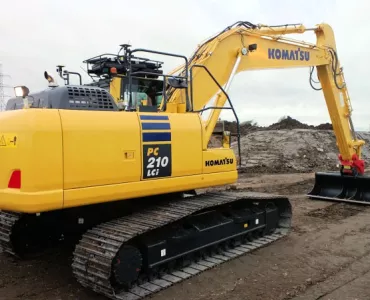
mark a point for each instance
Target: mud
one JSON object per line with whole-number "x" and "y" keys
{"x": 326, "y": 256}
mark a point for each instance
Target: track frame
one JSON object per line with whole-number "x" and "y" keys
{"x": 94, "y": 254}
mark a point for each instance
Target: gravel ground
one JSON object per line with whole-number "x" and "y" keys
{"x": 326, "y": 256}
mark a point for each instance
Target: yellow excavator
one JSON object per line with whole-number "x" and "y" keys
{"x": 116, "y": 165}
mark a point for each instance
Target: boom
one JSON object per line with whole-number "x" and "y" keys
{"x": 244, "y": 46}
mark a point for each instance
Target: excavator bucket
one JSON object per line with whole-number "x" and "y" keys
{"x": 334, "y": 186}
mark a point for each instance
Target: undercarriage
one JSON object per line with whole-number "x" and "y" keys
{"x": 142, "y": 252}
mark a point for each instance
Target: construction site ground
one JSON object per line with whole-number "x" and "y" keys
{"x": 326, "y": 255}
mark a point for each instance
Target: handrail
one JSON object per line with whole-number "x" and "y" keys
{"x": 166, "y": 54}
{"x": 215, "y": 107}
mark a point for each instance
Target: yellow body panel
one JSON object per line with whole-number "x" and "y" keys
{"x": 70, "y": 158}
{"x": 99, "y": 194}
{"x": 100, "y": 147}
{"x": 39, "y": 157}
{"x": 186, "y": 144}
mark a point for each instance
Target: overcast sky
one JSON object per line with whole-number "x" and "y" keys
{"x": 37, "y": 35}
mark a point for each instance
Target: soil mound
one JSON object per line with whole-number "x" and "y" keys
{"x": 292, "y": 150}
{"x": 325, "y": 126}
{"x": 245, "y": 127}
{"x": 288, "y": 150}
{"x": 284, "y": 123}
{"x": 289, "y": 123}
{"x": 287, "y": 146}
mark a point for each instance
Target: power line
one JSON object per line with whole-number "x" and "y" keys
{"x": 2, "y": 86}
{"x": 2, "y": 95}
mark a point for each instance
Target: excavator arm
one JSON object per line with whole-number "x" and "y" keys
{"x": 245, "y": 46}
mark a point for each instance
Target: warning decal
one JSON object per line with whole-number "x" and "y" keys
{"x": 156, "y": 161}
{"x": 8, "y": 140}
{"x": 2, "y": 141}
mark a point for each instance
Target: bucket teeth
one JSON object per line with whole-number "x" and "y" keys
{"x": 343, "y": 188}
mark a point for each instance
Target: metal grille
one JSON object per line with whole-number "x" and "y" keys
{"x": 89, "y": 98}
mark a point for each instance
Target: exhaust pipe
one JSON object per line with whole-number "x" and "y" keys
{"x": 333, "y": 186}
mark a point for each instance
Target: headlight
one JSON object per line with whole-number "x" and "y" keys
{"x": 21, "y": 91}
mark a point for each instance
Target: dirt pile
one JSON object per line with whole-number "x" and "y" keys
{"x": 288, "y": 150}
{"x": 325, "y": 126}
{"x": 289, "y": 123}
{"x": 287, "y": 146}
{"x": 245, "y": 127}
{"x": 292, "y": 150}
{"x": 284, "y": 123}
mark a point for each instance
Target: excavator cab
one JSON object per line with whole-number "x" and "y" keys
{"x": 134, "y": 82}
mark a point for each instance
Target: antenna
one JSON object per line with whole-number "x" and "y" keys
{"x": 2, "y": 86}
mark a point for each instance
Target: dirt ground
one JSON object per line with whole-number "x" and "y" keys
{"x": 326, "y": 256}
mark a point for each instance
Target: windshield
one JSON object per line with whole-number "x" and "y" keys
{"x": 144, "y": 91}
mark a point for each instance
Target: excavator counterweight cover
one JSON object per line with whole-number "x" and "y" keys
{"x": 343, "y": 188}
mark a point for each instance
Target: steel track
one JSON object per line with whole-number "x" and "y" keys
{"x": 7, "y": 221}
{"x": 94, "y": 253}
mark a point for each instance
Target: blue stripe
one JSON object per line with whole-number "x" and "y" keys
{"x": 153, "y": 126}
{"x": 156, "y": 136}
{"x": 146, "y": 117}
